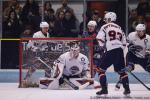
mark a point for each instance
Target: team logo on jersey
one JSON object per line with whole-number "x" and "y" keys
{"x": 83, "y": 61}
{"x": 74, "y": 69}
{"x": 145, "y": 41}
{"x": 135, "y": 48}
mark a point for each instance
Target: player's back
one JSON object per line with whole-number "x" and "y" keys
{"x": 112, "y": 35}
{"x": 112, "y": 30}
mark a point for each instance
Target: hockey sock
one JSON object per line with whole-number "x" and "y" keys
{"x": 125, "y": 80}
{"x": 103, "y": 80}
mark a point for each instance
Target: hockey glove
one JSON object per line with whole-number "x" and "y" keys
{"x": 147, "y": 68}
{"x": 129, "y": 67}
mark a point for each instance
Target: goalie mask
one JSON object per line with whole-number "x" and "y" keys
{"x": 140, "y": 29}
{"x": 110, "y": 17}
{"x": 74, "y": 49}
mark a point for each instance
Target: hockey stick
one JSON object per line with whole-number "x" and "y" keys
{"x": 88, "y": 82}
{"x": 78, "y": 87}
{"x": 44, "y": 63}
{"x": 73, "y": 86}
{"x": 84, "y": 86}
{"x": 117, "y": 86}
{"x": 46, "y": 66}
{"x": 139, "y": 80}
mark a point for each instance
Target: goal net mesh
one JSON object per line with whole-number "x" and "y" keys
{"x": 50, "y": 50}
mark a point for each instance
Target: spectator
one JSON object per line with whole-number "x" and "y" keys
{"x": 139, "y": 19}
{"x": 71, "y": 25}
{"x": 11, "y": 27}
{"x": 85, "y": 19}
{"x": 47, "y": 7}
{"x": 28, "y": 32}
{"x": 50, "y": 19}
{"x": 132, "y": 18}
{"x": 29, "y": 9}
{"x": 13, "y": 5}
{"x": 147, "y": 17}
{"x": 143, "y": 6}
{"x": 64, "y": 8}
{"x": 59, "y": 30}
{"x": 35, "y": 20}
{"x": 96, "y": 17}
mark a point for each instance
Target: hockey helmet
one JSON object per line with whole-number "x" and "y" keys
{"x": 92, "y": 23}
{"x": 140, "y": 27}
{"x": 110, "y": 15}
{"x": 44, "y": 24}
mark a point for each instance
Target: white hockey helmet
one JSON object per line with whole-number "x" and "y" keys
{"x": 140, "y": 27}
{"x": 110, "y": 15}
{"x": 92, "y": 23}
{"x": 44, "y": 24}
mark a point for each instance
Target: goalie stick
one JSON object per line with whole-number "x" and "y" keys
{"x": 73, "y": 86}
{"x": 78, "y": 87}
{"x": 84, "y": 85}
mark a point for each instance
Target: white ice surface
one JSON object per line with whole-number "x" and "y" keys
{"x": 10, "y": 91}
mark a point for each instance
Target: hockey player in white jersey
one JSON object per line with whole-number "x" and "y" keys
{"x": 72, "y": 68}
{"x": 36, "y": 50}
{"x": 113, "y": 39}
{"x": 34, "y": 45}
{"x": 138, "y": 49}
{"x": 43, "y": 33}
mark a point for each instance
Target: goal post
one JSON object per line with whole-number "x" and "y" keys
{"x": 53, "y": 48}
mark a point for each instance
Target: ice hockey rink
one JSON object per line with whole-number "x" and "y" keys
{"x": 9, "y": 89}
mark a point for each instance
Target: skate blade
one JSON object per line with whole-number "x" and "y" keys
{"x": 102, "y": 95}
{"x": 127, "y": 95}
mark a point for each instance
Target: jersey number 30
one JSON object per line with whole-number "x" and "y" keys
{"x": 115, "y": 35}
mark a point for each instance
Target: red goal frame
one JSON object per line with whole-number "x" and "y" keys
{"x": 27, "y": 39}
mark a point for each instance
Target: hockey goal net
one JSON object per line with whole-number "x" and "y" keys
{"x": 51, "y": 49}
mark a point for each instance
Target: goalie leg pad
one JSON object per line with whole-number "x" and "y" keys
{"x": 49, "y": 83}
{"x": 85, "y": 83}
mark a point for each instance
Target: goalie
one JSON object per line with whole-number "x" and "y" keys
{"x": 139, "y": 49}
{"x": 71, "y": 68}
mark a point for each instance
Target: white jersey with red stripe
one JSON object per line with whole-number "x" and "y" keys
{"x": 112, "y": 36}
{"x": 144, "y": 43}
{"x": 73, "y": 66}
